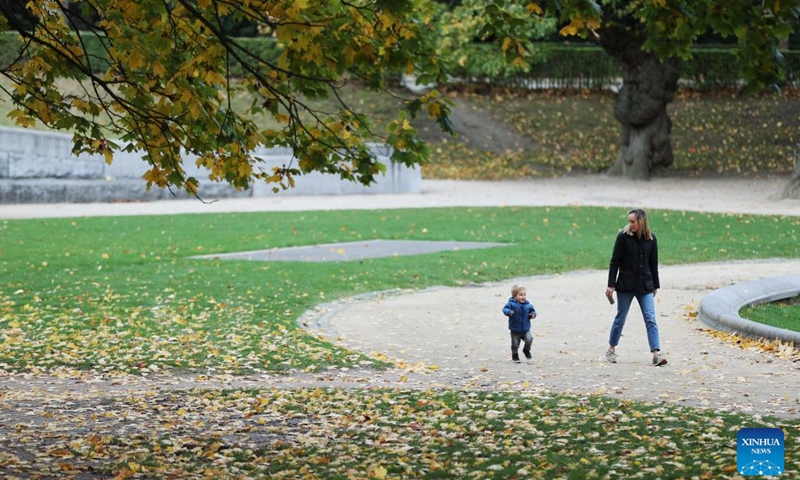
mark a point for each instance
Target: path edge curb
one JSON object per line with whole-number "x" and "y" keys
{"x": 720, "y": 308}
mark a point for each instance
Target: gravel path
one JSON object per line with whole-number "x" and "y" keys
{"x": 734, "y": 195}
{"x": 463, "y": 333}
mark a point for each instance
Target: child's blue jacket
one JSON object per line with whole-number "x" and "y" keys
{"x": 520, "y": 321}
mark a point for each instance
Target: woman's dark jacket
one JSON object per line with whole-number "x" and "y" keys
{"x": 634, "y": 264}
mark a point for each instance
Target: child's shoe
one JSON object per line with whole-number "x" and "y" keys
{"x": 527, "y": 354}
{"x": 515, "y": 357}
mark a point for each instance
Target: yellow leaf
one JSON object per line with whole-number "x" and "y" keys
{"x": 407, "y": 33}
{"x": 379, "y": 472}
{"x": 572, "y": 29}
{"x": 194, "y": 111}
{"x": 134, "y": 60}
{"x": 159, "y": 69}
{"x": 434, "y": 110}
{"x": 24, "y": 122}
{"x": 61, "y": 452}
{"x": 506, "y": 44}
{"x": 80, "y": 104}
{"x": 568, "y": 30}
{"x": 305, "y": 164}
{"x": 214, "y": 78}
{"x": 534, "y": 8}
{"x": 386, "y": 20}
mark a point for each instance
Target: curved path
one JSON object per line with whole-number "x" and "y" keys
{"x": 463, "y": 333}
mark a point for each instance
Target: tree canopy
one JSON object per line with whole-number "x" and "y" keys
{"x": 162, "y": 81}
{"x": 649, "y": 38}
{"x": 165, "y": 86}
{"x": 669, "y": 28}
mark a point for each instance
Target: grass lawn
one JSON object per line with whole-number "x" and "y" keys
{"x": 781, "y": 314}
{"x": 393, "y": 434}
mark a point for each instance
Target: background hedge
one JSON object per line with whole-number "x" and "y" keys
{"x": 557, "y": 65}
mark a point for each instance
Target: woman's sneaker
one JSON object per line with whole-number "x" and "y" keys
{"x": 611, "y": 356}
{"x": 658, "y": 360}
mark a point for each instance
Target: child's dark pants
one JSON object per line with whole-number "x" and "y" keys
{"x": 517, "y": 337}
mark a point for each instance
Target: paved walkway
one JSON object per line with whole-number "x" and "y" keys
{"x": 735, "y": 195}
{"x": 464, "y": 334}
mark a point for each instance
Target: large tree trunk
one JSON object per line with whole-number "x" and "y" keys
{"x": 649, "y": 85}
{"x": 792, "y": 189}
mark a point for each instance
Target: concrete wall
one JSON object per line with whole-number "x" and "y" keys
{"x": 39, "y": 167}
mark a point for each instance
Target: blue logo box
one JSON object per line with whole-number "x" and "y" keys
{"x": 760, "y": 451}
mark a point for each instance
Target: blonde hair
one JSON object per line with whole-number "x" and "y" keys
{"x": 644, "y": 225}
{"x": 516, "y": 289}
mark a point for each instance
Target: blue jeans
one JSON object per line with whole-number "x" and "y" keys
{"x": 647, "y": 305}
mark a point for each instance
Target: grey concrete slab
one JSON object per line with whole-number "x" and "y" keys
{"x": 349, "y": 251}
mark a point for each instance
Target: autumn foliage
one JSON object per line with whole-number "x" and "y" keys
{"x": 167, "y": 89}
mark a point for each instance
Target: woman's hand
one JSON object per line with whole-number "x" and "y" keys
{"x": 609, "y": 291}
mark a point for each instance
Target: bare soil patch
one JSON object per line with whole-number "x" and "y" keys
{"x": 476, "y": 127}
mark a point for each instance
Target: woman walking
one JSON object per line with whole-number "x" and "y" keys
{"x": 633, "y": 273}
